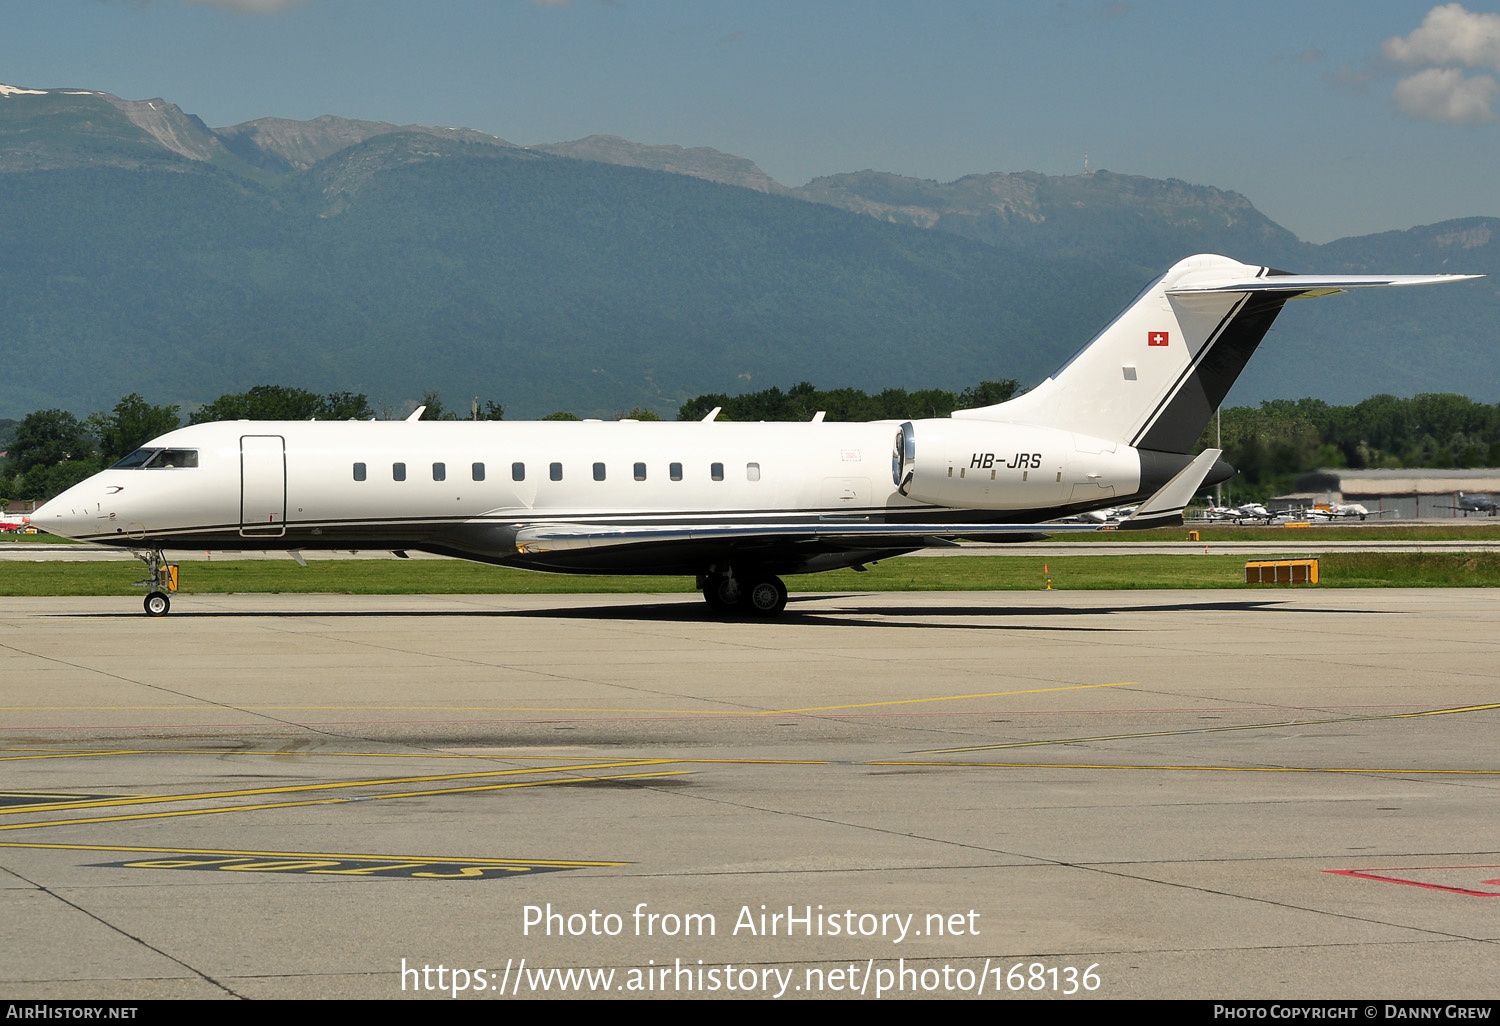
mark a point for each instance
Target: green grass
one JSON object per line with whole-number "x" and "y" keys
{"x": 949, "y": 573}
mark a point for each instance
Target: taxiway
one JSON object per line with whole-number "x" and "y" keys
{"x": 1197, "y": 794}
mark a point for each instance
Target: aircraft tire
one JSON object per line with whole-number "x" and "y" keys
{"x": 724, "y": 595}
{"x": 765, "y": 597}
{"x": 158, "y": 604}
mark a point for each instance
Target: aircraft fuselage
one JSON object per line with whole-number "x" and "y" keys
{"x": 468, "y": 488}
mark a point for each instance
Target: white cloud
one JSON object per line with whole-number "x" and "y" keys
{"x": 1445, "y": 95}
{"x": 1449, "y": 35}
{"x": 1450, "y": 39}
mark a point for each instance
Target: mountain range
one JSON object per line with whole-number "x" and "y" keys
{"x": 146, "y": 252}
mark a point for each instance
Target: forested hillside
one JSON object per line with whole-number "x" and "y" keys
{"x": 147, "y": 253}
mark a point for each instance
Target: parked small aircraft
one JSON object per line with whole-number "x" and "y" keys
{"x": 1475, "y": 504}
{"x": 1341, "y": 511}
{"x": 1243, "y": 513}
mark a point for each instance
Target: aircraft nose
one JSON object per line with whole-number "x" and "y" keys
{"x": 70, "y": 515}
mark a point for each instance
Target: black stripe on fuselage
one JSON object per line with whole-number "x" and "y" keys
{"x": 422, "y": 532}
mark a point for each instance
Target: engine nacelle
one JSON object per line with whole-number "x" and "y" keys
{"x": 973, "y": 464}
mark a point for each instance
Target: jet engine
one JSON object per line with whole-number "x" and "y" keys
{"x": 973, "y": 464}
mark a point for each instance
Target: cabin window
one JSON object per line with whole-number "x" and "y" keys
{"x": 598, "y": 472}
{"x": 674, "y": 471}
{"x": 555, "y": 471}
{"x": 398, "y": 471}
{"x": 716, "y": 471}
{"x": 518, "y": 471}
{"x": 477, "y": 471}
{"x": 640, "y": 472}
{"x": 752, "y": 471}
{"x": 359, "y": 472}
{"x": 440, "y": 472}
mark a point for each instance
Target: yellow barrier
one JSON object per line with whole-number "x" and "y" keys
{"x": 1282, "y": 571}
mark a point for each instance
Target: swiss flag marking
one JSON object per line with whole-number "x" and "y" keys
{"x": 1156, "y": 338}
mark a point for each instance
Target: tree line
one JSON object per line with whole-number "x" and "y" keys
{"x": 1270, "y": 444}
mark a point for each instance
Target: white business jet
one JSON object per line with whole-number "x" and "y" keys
{"x": 734, "y": 505}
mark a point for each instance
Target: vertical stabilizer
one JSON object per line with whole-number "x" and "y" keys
{"x": 1155, "y": 375}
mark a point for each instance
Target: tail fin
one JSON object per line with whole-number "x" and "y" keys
{"x": 1154, "y": 376}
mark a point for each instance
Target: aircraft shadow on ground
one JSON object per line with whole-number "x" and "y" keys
{"x": 855, "y": 614}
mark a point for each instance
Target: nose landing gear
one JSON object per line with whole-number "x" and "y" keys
{"x": 162, "y": 582}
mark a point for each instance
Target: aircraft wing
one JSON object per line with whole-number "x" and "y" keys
{"x": 561, "y": 537}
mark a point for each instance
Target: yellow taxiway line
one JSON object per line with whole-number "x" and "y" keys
{"x": 442, "y": 859}
{"x": 1206, "y": 730}
{"x": 172, "y": 813}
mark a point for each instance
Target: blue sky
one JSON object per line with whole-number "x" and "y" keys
{"x": 1335, "y": 118}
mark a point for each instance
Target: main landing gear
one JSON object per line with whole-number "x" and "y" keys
{"x": 162, "y": 582}
{"x": 745, "y": 594}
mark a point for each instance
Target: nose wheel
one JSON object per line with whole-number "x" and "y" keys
{"x": 162, "y": 582}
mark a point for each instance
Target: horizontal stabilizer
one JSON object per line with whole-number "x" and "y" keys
{"x": 1307, "y": 286}
{"x": 562, "y": 537}
{"x": 1164, "y": 509}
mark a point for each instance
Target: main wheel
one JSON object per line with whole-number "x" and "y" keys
{"x": 723, "y": 595}
{"x": 765, "y": 596}
{"x": 157, "y": 604}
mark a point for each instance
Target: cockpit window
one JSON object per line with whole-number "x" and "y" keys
{"x": 167, "y": 459}
{"x": 158, "y": 459}
{"x": 135, "y": 459}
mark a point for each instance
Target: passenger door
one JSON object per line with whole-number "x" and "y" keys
{"x": 262, "y": 486}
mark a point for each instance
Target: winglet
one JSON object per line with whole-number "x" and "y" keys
{"x": 1164, "y": 509}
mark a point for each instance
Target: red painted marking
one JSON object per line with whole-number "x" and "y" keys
{"x": 1384, "y": 876}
